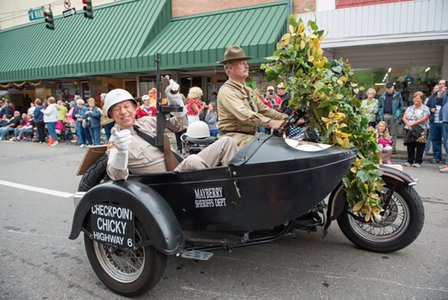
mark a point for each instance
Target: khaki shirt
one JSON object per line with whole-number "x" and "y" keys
{"x": 144, "y": 158}
{"x": 240, "y": 112}
{"x": 105, "y": 119}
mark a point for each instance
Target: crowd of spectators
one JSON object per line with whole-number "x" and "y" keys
{"x": 80, "y": 122}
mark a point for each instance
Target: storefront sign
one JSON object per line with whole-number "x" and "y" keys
{"x": 36, "y": 13}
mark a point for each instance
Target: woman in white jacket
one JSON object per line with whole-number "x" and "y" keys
{"x": 50, "y": 119}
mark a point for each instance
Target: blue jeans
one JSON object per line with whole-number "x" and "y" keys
{"x": 428, "y": 143}
{"x": 95, "y": 133}
{"x": 80, "y": 133}
{"x": 51, "y": 126}
{"x": 23, "y": 132}
{"x": 107, "y": 130}
{"x": 435, "y": 134}
{"x": 5, "y": 130}
{"x": 445, "y": 138}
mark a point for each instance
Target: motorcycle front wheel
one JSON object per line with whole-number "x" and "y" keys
{"x": 126, "y": 272}
{"x": 401, "y": 223}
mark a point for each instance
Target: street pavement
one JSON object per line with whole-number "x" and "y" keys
{"x": 37, "y": 261}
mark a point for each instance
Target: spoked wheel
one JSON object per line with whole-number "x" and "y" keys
{"x": 402, "y": 221}
{"x": 126, "y": 272}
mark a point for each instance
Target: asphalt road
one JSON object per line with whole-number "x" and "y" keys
{"x": 37, "y": 261}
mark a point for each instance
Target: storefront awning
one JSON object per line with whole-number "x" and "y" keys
{"x": 200, "y": 41}
{"x": 125, "y": 36}
{"x": 108, "y": 44}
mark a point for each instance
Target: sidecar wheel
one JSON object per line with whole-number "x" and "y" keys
{"x": 401, "y": 224}
{"x": 94, "y": 174}
{"x": 126, "y": 272}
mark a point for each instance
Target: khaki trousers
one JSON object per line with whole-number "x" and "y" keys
{"x": 218, "y": 153}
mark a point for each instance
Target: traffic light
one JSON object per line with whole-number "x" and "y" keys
{"x": 88, "y": 13}
{"x": 49, "y": 19}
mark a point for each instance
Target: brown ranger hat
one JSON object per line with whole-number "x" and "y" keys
{"x": 234, "y": 53}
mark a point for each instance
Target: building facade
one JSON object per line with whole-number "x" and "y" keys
{"x": 405, "y": 42}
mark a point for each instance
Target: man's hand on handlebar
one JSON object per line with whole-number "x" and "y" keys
{"x": 276, "y": 124}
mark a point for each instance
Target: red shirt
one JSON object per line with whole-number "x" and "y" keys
{"x": 141, "y": 113}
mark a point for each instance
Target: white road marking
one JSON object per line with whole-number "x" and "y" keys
{"x": 36, "y": 189}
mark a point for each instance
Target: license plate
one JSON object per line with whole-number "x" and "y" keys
{"x": 113, "y": 225}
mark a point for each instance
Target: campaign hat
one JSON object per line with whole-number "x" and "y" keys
{"x": 233, "y": 53}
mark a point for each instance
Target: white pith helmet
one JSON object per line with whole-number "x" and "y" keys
{"x": 198, "y": 130}
{"x": 116, "y": 96}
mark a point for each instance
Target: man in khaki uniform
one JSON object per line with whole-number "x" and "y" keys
{"x": 240, "y": 111}
{"x": 130, "y": 152}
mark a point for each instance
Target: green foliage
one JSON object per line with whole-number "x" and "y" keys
{"x": 328, "y": 90}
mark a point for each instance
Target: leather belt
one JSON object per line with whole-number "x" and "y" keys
{"x": 225, "y": 132}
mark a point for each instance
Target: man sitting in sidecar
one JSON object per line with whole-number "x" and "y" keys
{"x": 132, "y": 147}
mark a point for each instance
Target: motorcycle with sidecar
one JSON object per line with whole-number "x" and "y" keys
{"x": 271, "y": 187}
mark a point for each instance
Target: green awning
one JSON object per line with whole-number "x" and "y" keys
{"x": 125, "y": 36}
{"x": 110, "y": 43}
{"x": 200, "y": 41}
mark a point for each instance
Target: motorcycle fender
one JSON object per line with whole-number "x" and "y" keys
{"x": 390, "y": 176}
{"x": 153, "y": 212}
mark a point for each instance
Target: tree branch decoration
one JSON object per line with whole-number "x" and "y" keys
{"x": 328, "y": 89}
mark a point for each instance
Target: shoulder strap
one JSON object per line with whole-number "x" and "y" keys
{"x": 145, "y": 136}
{"x": 170, "y": 160}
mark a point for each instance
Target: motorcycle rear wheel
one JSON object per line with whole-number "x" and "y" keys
{"x": 401, "y": 224}
{"x": 126, "y": 272}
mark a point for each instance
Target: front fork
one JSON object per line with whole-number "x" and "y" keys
{"x": 337, "y": 203}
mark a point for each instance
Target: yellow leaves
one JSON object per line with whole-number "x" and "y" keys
{"x": 342, "y": 80}
{"x": 301, "y": 28}
{"x": 377, "y": 213}
{"x": 302, "y": 44}
{"x": 369, "y": 207}
{"x": 315, "y": 43}
{"x": 320, "y": 63}
{"x": 358, "y": 205}
{"x": 291, "y": 28}
{"x": 335, "y": 121}
{"x": 341, "y": 134}
{"x": 286, "y": 38}
{"x": 338, "y": 116}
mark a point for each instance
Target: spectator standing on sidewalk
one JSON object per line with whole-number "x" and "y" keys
{"x": 416, "y": 115}
{"x": 39, "y": 121}
{"x": 211, "y": 118}
{"x": 50, "y": 119}
{"x": 390, "y": 106}
{"x": 78, "y": 111}
{"x": 428, "y": 142}
{"x": 106, "y": 122}
{"x": 369, "y": 107}
{"x": 435, "y": 122}
{"x": 93, "y": 116}
{"x": 444, "y": 113}
{"x": 194, "y": 104}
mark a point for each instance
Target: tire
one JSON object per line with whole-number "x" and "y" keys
{"x": 402, "y": 223}
{"x": 147, "y": 265}
{"x": 94, "y": 174}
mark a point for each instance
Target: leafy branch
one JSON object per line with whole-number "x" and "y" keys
{"x": 328, "y": 89}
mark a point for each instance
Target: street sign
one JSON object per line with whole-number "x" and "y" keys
{"x": 36, "y": 13}
{"x": 69, "y": 12}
